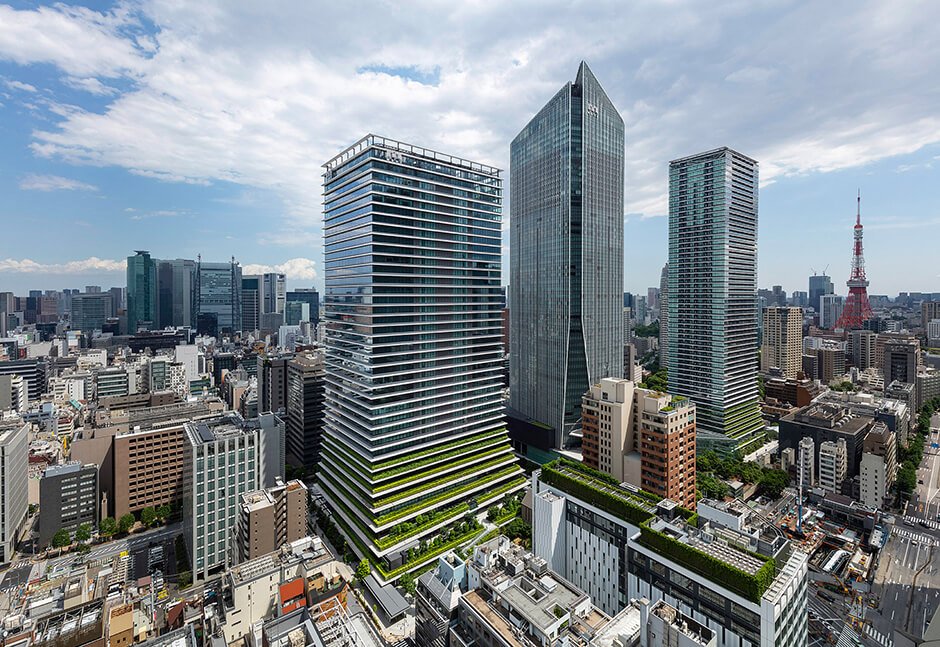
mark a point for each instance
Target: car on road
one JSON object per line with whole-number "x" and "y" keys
{"x": 920, "y": 481}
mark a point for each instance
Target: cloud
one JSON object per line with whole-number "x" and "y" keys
{"x": 89, "y": 265}
{"x": 750, "y": 74}
{"x": 80, "y": 41}
{"x": 299, "y": 269}
{"x": 19, "y": 85}
{"x": 218, "y": 92}
{"x": 53, "y": 183}
{"x": 89, "y": 84}
{"x": 160, "y": 213}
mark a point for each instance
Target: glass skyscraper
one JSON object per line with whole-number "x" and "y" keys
{"x": 219, "y": 294}
{"x": 566, "y": 258}
{"x": 414, "y": 437}
{"x": 141, "y": 292}
{"x": 712, "y": 355}
{"x": 175, "y": 280}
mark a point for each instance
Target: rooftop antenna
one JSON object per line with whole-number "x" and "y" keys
{"x": 858, "y": 209}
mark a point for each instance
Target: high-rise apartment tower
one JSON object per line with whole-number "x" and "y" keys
{"x": 713, "y": 294}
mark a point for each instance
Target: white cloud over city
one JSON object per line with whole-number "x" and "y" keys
{"x": 259, "y": 95}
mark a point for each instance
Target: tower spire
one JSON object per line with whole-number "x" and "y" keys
{"x": 857, "y": 306}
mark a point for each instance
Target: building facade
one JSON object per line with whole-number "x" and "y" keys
{"x": 90, "y": 311}
{"x": 176, "y": 280}
{"x": 68, "y": 497}
{"x": 309, "y": 296}
{"x": 219, "y": 294}
{"x": 819, "y": 284}
{"x": 713, "y": 295}
{"x": 413, "y": 413}
{"x": 141, "y": 292}
{"x": 14, "y": 471}
{"x": 305, "y": 402}
{"x": 270, "y": 518}
{"x": 833, "y": 465}
{"x": 566, "y": 265}
{"x": 783, "y": 340}
{"x": 224, "y": 460}
{"x": 251, "y": 303}
{"x": 274, "y": 291}
{"x": 879, "y": 466}
{"x": 900, "y": 360}
{"x": 148, "y": 469}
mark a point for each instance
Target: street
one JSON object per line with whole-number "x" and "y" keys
{"x": 907, "y": 582}
{"x": 129, "y": 544}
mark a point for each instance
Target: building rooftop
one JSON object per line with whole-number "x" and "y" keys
{"x": 828, "y": 415}
{"x": 709, "y": 545}
{"x": 622, "y": 629}
{"x": 305, "y": 549}
{"x": 65, "y": 468}
{"x": 228, "y": 425}
{"x": 372, "y": 141}
{"x": 697, "y": 633}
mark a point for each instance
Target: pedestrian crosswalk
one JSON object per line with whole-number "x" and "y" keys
{"x": 916, "y": 536}
{"x": 848, "y": 638}
{"x": 878, "y": 637}
{"x": 930, "y": 523}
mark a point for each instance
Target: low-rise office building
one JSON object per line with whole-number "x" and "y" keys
{"x": 68, "y": 498}
{"x": 618, "y": 545}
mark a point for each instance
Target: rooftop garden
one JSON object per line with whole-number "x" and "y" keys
{"x": 747, "y": 585}
{"x": 600, "y": 490}
{"x": 603, "y": 491}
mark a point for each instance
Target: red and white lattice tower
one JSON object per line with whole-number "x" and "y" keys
{"x": 857, "y": 307}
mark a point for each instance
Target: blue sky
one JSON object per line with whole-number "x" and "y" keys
{"x": 188, "y": 128}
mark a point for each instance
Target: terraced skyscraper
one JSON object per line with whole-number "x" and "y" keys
{"x": 414, "y": 437}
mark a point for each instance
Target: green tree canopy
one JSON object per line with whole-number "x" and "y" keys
{"x": 772, "y": 483}
{"x": 363, "y": 570}
{"x": 126, "y": 522}
{"x": 83, "y": 533}
{"x": 61, "y": 538}
{"x": 107, "y": 527}
{"x": 517, "y": 529}
{"x": 407, "y": 582}
{"x": 147, "y": 516}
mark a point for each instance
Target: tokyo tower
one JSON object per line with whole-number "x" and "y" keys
{"x": 857, "y": 307}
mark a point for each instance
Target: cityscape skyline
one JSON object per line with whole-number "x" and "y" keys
{"x": 78, "y": 161}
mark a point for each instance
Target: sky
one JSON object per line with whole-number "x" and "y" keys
{"x": 190, "y": 128}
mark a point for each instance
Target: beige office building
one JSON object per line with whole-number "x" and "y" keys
{"x": 783, "y": 340}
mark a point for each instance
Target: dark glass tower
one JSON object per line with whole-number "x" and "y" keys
{"x": 413, "y": 435}
{"x": 141, "y": 292}
{"x": 566, "y": 267}
{"x": 712, "y": 354}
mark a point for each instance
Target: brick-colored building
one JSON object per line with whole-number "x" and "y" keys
{"x": 642, "y": 437}
{"x": 148, "y": 469}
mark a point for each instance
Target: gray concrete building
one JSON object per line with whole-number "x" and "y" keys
{"x": 14, "y": 469}
{"x": 68, "y": 498}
